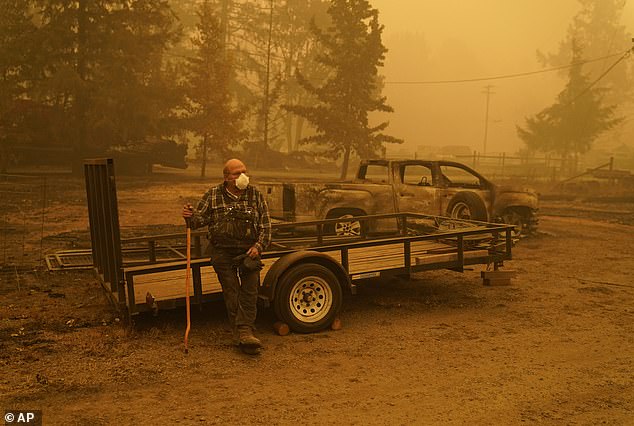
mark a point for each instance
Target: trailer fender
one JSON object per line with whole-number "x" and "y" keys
{"x": 273, "y": 275}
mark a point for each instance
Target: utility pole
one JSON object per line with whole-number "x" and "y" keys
{"x": 487, "y": 91}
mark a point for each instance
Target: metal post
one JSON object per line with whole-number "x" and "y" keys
{"x": 486, "y": 117}
{"x": 460, "y": 252}
{"x": 345, "y": 260}
{"x": 43, "y": 220}
{"x": 104, "y": 224}
{"x": 407, "y": 249}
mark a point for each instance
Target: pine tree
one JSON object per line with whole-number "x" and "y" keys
{"x": 16, "y": 70}
{"x": 571, "y": 125}
{"x": 598, "y": 28}
{"x": 247, "y": 25}
{"x": 212, "y": 114}
{"x": 101, "y": 69}
{"x": 297, "y": 49}
{"x": 353, "y": 52}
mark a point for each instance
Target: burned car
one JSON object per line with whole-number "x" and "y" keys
{"x": 442, "y": 188}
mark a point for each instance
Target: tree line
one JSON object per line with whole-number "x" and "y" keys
{"x": 595, "y": 99}
{"x": 254, "y": 76}
{"x": 248, "y": 75}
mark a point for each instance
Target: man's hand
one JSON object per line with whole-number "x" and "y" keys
{"x": 188, "y": 211}
{"x": 253, "y": 252}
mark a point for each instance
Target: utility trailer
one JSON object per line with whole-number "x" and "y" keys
{"x": 307, "y": 269}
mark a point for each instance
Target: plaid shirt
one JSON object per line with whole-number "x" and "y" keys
{"x": 215, "y": 203}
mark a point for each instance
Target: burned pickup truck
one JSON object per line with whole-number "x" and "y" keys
{"x": 443, "y": 188}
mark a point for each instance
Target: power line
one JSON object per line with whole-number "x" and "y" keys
{"x": 591, "y": 85}
{"x": 501, "y": 77}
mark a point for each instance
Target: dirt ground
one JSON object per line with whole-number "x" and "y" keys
{"x": 556, "y": 347}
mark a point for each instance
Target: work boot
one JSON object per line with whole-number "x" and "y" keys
{"x": 248, "y": 342}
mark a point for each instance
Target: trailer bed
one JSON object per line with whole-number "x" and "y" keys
{"x": 162, "y": 284}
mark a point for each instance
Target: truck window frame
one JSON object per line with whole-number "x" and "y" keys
{"x": 430, "y": 175}
{"x": 446, "y": 180}
{"x": 363, "y": 173}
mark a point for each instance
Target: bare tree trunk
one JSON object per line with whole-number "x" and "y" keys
{"x": 299, "y": 127}
{"x": 344, "y": 164}
{"x": 80, "y": 106}
{"x": 288, "y": 120}
{"x": 224, "y": 23}
{"x": 288, "y": 124}
{"x": 267, "y": 83}
{"x": 203, "y": 162}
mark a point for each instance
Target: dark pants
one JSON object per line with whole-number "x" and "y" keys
{"x": 241, "y": 294}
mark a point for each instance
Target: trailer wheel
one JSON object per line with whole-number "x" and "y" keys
{"x": 308, "y": 297}
{"x": 467, "y": 205}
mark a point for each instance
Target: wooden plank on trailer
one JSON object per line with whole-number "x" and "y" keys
{"x": 471, "y": 254}
{"x": 429, "y": 245}
{"x": 167, "y": 285}
{"x": 436, "y": 258}
{"x": 170, "y": 284}
{"x": 161, "y": 285}
{"x": 391, "y": 256}
{"x": 383, "y": 257}
{"x": 449, "y": 257}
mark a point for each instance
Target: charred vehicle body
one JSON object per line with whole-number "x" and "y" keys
{"x": 443, "y": 188}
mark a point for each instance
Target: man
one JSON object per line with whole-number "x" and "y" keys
{"x": 239, "y": 226}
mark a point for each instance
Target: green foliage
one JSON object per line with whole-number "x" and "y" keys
{"x": 574, "y": 121}
{"x": 352, "y": 51}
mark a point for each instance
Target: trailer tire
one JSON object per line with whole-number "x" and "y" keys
{"x": 308, "y": 297}
{"x": 467, "y": 205}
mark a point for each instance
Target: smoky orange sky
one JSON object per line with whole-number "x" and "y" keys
{"x": 464, "y": 39}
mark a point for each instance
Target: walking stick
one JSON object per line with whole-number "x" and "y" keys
{"x": 188, "y": 279}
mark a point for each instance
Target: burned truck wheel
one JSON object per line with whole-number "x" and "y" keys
{"x": 515, "y": 218}
{"x": 348, "y": 228}
{"x": 308, "y": 298}
{"x": 467, "y": 205}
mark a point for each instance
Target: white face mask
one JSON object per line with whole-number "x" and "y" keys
{"x": 242, "y": 182}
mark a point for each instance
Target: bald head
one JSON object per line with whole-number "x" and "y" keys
{"x": 232, "y": 170}
{"x": 233, "y": 167}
